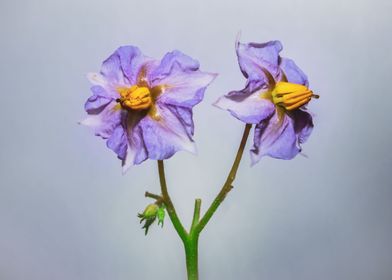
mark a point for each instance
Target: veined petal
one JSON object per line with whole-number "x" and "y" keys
{"x": 136, "y": 152}
{"x": 303, "y": 125}
{"x": 101, "y": 86}
{"x": 164, "y": 137}
{"x": 183, "y": 88}
{"x": 258, "y": 61}
{"x": 275, "y": 137}
{"x": 132, "y": 62}
{"x": 118, "y": 142}
{"x": 124, "y": 66}
{"x": 292, "y": 72}
{"x": 174, "y": 59}
{"x": 250, "y": 108}
{"x": 104, "y": 122}
{"x": 185, "y": 116}
{"x": 98, "y": 100}
{"x": 95, "y": 104}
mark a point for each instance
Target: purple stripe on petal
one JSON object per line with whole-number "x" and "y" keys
{"x": 111, "y": 70}
{"x": 132, "y": 61}
{"x": 184, "y": 89}
{"x": 166, "y": 136}
{"x": 105, "y": 121}
{"x": 247, "y": 108}
{"x": 275, "y": 137}
{"x": 184, "y": 115}
{"x": 254, "y": 58}
{"x": 95, "y": 104}
{"x": 118, "y": 142}
{"x": 292, "y": 72}
{"x": 172, "y": 60}
{"x": 303, "y": 125}
{"x": 136, "y": 152}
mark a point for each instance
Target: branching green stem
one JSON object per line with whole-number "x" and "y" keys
{"x": 191, "y": 239}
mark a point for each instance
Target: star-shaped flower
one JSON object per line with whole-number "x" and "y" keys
{"x": 274, "y": 97}
{"x": 143, "y": 106}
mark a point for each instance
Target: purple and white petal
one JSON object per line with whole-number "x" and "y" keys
{"x": 107, "y": 88}
{"x": 166, "y": 136}
{"x": 275, "y": 137}
{"x": 123, "y": 67}
{"x": 132, "y": 62}
{"x": 185, "y": 116}
{"x": 136, "y": 152}
{"x": 171, "y": 60}
{"x": 118, "y": 142}
{"x": 106, "y": 121}
{"x": 250, "y": 108}
{"x": 292, "y": 72}
{"x": 133, "y": 134}
{"x": 183, "y": 88}
{"x": 259, "y": 62}
{"x": 96, "y": 103}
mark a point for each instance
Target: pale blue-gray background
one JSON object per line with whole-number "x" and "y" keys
{"x": 67, "y": 213}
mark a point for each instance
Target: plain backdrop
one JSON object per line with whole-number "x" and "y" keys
{"x": 66, "y": 211}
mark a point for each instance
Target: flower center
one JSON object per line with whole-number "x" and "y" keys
{"x": 135, "y": 97}
{"x": 291, "y": 96}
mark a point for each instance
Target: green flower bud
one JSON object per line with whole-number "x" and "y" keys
{"x": 149, "y": 215}
{"x": 150, "y": 212}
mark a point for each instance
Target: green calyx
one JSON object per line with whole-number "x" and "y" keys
{"x": 149, "y": 215}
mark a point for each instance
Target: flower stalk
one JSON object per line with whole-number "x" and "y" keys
{"x": 191, "y": 239}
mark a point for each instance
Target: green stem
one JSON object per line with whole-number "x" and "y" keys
{"x": 191, "y": 254}
{"x": 169, "y": 204}
{"x": 196, "y": 213}
{"x": 227, "y": 186}
{"x": 191, "y": 239}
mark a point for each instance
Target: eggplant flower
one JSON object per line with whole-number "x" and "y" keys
{"x": 143, "y": 107}
{"x": 274, "y": 97}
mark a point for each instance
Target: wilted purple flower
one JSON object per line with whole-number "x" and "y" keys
{"x": 273, "y": 98}
{"x": 143, "y": 107}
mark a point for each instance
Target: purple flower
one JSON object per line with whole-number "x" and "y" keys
{"x": 274, "y": 97}
{"x": 143, "y": 107}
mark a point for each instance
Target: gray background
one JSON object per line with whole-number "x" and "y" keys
{"x": 66, "y": 212}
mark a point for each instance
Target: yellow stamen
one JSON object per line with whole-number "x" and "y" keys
{"x": 291, "y": 96}
{"x": 134, "y": 97}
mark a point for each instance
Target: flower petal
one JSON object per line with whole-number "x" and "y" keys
{"x": 104, "y": 122}
{"x": 292, "y": 72}
{"x": 255, "y": 58}
{"x": 184, "y": 89}
{"x": 124, "y": 65}
{"x": 118, "y": 142}
{"x": 303, "y": 125}
{"x": 132, "y": 61}
{"x": 136, "y": 152}
{"x": 164, "y": 137}
{"x": 184, "y": 115}
{"x": 275, "y": 137}
{"x": 174, "y": 59}
{"x": 97, "y": 101}
{"x": 247, "y": 108}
